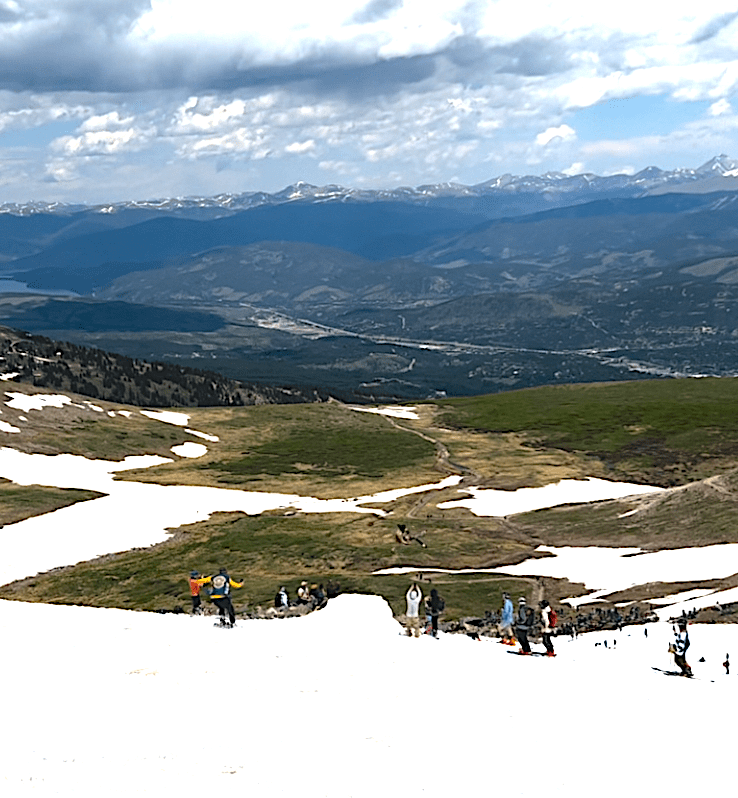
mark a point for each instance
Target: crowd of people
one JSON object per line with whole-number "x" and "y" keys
{"x": 513, "y": 627}
{"x": 313, "y": 597}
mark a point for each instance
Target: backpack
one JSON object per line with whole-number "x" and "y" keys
{"x": 552, "y": 617}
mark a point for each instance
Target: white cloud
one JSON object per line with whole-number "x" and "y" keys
{"x": 720, "y": 108}
{"x": 560, "y": 133}
{"x": 410, "y": 91}
{"x": 101, "y": 142}
{"x": 575, "y": 169}
{"x": 298, "y": 147}
{"x": 25, "y": 112}
{"x": 104, "y": 122}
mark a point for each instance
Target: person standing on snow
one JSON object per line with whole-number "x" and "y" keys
{"x": 679, "y": 648}
{"x": 435, "y": 605}
{"x": 547, "y": 628}
{"x": 413, "y": 597}
{"x": 196, "y": 582}
{"x": 506, "y": 622}
{"x": 523, "y": 624}
{"x": 220, "y": 594}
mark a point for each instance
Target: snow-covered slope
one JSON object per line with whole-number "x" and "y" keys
{"x": 338, "y": 703}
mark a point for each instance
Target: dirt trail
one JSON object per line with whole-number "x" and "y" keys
{"x": 443, "y": 463}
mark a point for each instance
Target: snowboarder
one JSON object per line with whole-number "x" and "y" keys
{"x": 679, "y": 648}
{"x": 523, "y": 624}
{"x": 506, "y": 622}
{"x": 220, "y": 595}
{"x": 413, "y": 597}
{"x": 196, "y": 583}
{"x": 548, "y": 627}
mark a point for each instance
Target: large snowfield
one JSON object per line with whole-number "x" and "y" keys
{"x": 340, "y": 702}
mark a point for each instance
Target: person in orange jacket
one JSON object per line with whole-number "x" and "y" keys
{"x": 196, "y": 583}
{"x": 220, "y": 593}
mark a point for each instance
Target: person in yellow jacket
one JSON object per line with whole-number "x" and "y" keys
{"x": 220, "y": 593}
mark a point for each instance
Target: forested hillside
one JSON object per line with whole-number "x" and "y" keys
{"x": 117, "y": 378}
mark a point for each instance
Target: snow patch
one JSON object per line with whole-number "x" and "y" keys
{"x": 167, "y": 416}
{"x": 190, "y": 449}
{"x": 498, "y": 503}
{"x": 408, "y": 413}
{"x": 204, "y": 435}
{"x": 28, "y": 402}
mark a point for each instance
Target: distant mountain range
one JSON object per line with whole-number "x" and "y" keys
{"x": 718, "y": 174}
{"x": 407, "y": 293}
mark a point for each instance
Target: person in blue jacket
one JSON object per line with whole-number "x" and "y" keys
{"x": 506, "y": 622}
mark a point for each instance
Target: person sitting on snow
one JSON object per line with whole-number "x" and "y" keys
{"x": 282, "y": 600}
{"x": 303, "y": 593}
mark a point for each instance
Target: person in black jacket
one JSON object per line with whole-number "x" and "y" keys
{"x": 435, "y": 605}
{"x": 523, "y": 624}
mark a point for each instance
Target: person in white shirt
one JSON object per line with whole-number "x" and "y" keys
{"x": 413, "y": 597}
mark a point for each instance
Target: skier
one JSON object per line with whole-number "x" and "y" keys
{"x": 523, "y": 624}
{"x": 196, "y": 582}
{"x": 546, "y": 619}
{"x": 221, "y": 595}
{"x": 413, "y": 597}
{"x": 679, "y": 648}
{"x": 506, "y": 623}
{"x": 726, "y": 665}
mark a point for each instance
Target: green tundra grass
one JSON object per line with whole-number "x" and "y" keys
{"x": 666, "y": 432}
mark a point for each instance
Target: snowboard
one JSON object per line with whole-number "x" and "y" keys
{"x": 532, "y": 654}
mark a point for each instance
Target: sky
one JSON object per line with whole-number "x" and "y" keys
{"x": 108, "y": 100}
